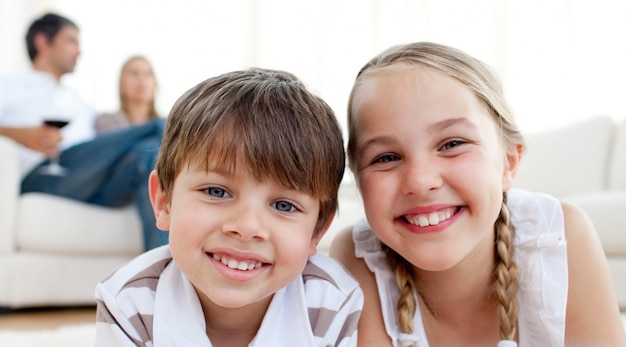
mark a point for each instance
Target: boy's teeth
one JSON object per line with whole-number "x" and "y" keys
{"x": 239, "y": 265}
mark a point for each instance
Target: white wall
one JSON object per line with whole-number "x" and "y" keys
{"x": 559, "y": 60}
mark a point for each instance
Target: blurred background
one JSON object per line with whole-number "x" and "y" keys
{"x": 559, "y": 60}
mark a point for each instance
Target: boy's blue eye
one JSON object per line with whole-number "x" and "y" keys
{"x": 216, "y": 192}
{"x": 284, "y": 206}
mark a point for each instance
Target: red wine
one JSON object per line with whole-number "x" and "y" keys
{"x": 57, "y": 123}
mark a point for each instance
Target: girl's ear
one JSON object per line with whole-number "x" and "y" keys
{"x": 160, "y": 202}
{"x": 513, "y": 156}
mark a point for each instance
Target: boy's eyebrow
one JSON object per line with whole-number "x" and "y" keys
{"x": 198, "y": 167}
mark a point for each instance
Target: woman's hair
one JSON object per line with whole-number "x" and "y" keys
{"x": 123, "y": 101}
{"x": 476, "y": 76}
{"x": 266, "y": 121}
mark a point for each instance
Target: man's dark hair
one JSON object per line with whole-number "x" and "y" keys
{"x": 49, "y": 24}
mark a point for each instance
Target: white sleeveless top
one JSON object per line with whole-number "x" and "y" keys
{"x": 541, "y": 256}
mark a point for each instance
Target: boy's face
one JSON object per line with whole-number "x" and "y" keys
{"x": 236, "y": 239}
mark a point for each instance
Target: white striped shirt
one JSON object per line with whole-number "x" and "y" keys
{"x": 150, "y": 302}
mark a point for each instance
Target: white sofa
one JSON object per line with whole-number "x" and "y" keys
{"x": 585, "y": 163}
{"x": 53, "y": 251}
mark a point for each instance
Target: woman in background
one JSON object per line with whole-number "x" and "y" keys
{"x": 137, "y": 90}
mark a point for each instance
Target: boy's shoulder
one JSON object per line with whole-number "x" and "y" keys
{"x": 322, "y": 271}
{"x": 143, "y": 271}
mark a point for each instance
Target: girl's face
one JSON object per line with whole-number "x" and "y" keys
{"x": 236, "y": 239}
{"x": 138, "y": 83}
{"x": 430, "y": 165}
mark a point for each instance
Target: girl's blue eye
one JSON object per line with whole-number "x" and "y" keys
{"x": 284, "y": 206}
{"x": 216, "y": 192}
{"x": 386, "y": 158}
{"x": 452, "y": 144}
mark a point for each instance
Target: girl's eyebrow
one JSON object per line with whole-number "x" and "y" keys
{"x": 384, "y": 140}
{"x": 436, "y": 127}
{"x": 447, "y": 123}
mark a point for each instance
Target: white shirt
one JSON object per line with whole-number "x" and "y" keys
{"x": 150, "y": 302}
{"x": 540, "y": 253}
{"x": 29, "y": 97}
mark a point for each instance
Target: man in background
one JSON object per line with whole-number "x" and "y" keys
{"x": 108, "y": 170}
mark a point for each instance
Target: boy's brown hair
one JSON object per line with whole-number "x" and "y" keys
{"x": 265, "y": 119}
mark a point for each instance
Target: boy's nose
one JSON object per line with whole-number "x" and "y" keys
{"x": 246, "y": 223}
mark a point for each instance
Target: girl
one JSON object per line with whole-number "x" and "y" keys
{"x": 450, "y": 255}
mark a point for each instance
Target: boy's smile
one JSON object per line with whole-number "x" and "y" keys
{"x": 238, "y": 240}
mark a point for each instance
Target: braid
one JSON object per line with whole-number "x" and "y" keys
{"x": 506, "y": 274}
{"x": 506, "y": 284}
{"x": 405, "y": 278}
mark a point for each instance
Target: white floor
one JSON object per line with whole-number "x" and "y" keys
{"x": 71, "y": 335}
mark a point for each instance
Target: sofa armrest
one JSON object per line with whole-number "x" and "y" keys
{"x": 617, "y": 174}
{"x": 9, "y": 193}
{"x": 569, "y": 159}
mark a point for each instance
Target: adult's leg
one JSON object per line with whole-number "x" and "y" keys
{"x": 130, "y": 174}
{"x": 90, "y": 164}
{"x": 111, "y": 170}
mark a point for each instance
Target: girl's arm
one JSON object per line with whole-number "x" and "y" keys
{"x": 371, "y": 330}
{"x": 593, "y": 317}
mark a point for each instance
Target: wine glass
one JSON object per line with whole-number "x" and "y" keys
{"x": 54, "y": 168}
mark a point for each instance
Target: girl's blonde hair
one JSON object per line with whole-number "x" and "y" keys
{"x": 476, "y": 76}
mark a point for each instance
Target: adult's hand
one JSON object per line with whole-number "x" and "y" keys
{"x": 41, "y": 138}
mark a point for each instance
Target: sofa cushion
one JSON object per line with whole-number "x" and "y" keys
{"x": 569, "y": 159}
{"x": 9, "y": 191}
{"x": 51, "y": 224}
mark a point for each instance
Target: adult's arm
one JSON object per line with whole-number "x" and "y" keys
{"x": 40, "y": 138}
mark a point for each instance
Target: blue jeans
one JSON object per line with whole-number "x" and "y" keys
{"x": 110, "y": 170}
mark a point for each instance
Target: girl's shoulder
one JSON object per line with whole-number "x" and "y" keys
{"x": 535, "y": 216}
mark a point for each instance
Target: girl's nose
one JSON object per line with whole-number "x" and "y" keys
{"x": 420, "y": 177}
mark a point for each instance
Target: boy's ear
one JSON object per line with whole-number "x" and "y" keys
{"x": 318, "y": 236}
{"x": 160, "y": 202}
{"x": 513, "y": 156}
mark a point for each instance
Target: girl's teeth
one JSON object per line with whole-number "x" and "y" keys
{"x": 424, "y": 220}
{"x": 433, "y": 219}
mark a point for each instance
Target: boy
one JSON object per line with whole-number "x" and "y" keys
{"x": 246, "y": 183}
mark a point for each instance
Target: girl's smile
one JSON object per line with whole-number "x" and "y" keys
{"x": 431, "y": 166}
{"x": 434, "y": 221}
